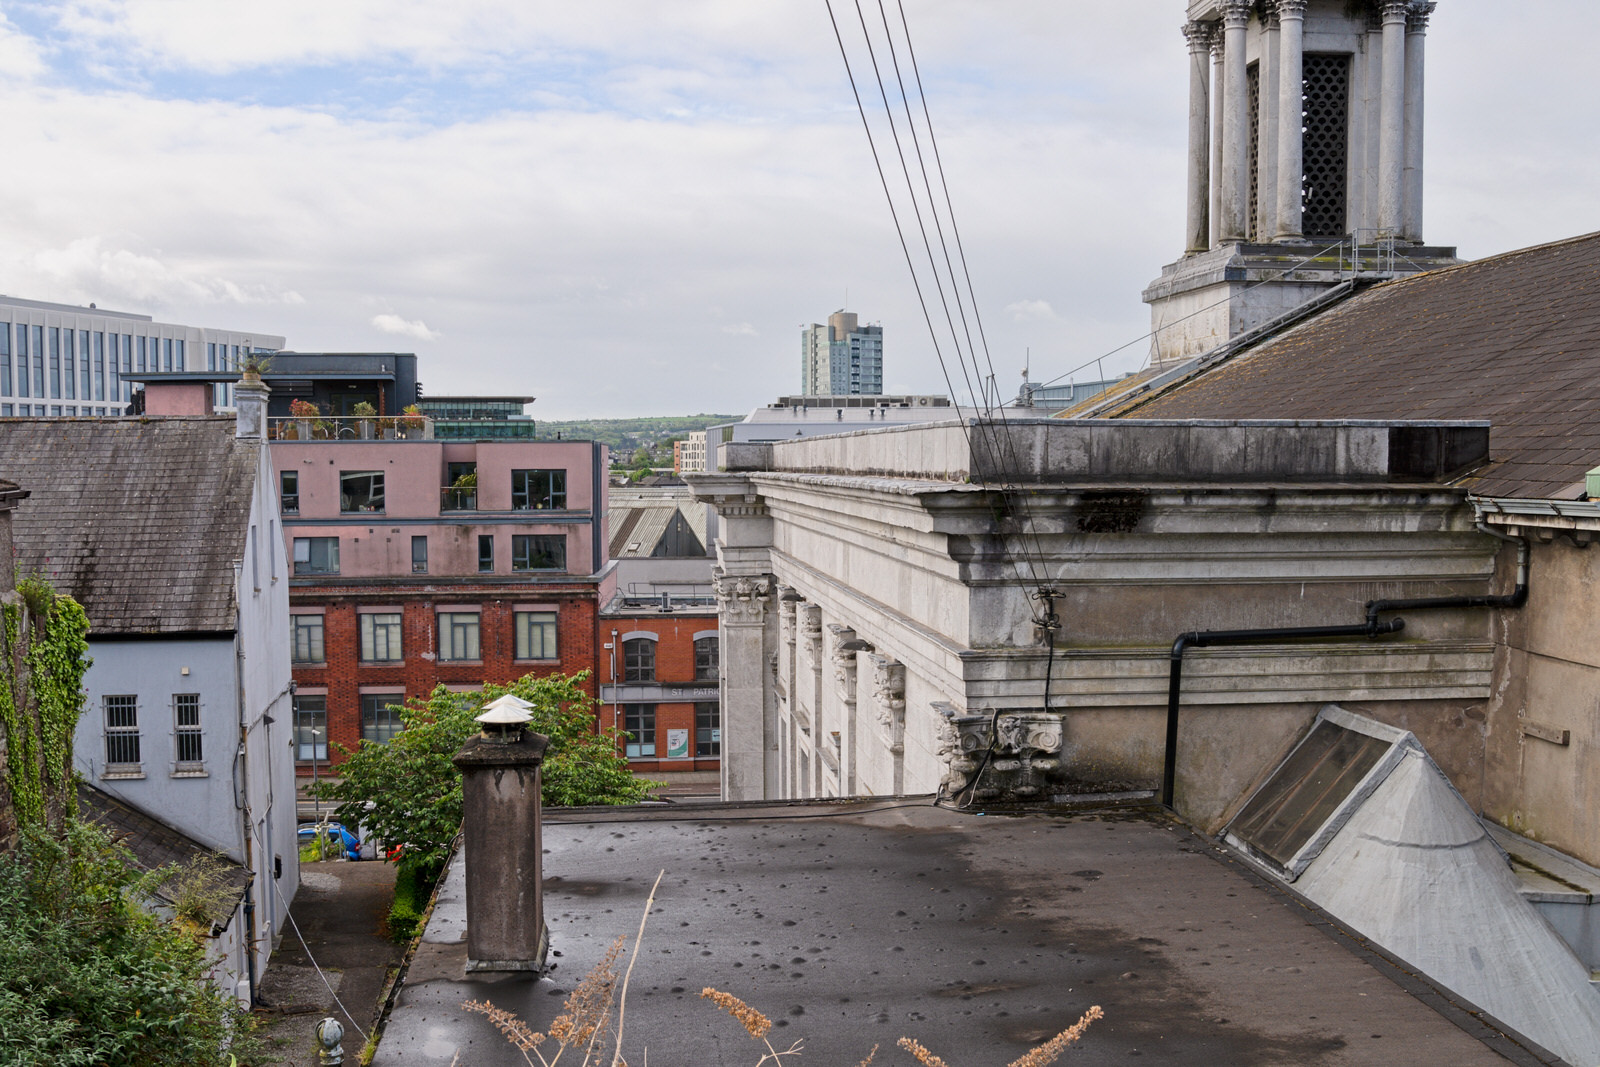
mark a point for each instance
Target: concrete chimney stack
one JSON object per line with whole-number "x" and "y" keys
{"x": 503, "y": 844}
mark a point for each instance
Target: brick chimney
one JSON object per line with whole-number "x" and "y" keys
{"x": 503, "y": 844}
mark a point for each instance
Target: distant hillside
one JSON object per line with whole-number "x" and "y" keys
{"x": 627, "y": 436}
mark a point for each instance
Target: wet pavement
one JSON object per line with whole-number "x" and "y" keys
{"x": 340, "y": 909}
{"x": 853, "y": 925}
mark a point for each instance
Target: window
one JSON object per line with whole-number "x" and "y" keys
{"x": 361, "y": 491}
{"x": 379, "y": 718}
{"x": 458, "y": 635}
{"x": 705, "y": 659}
{"x": 316, "y": 555}
{"x": 536, "y": 634}
{"x": 289, "y": 492}
{"x": 639, "y": 720}
{"x": 486, "y": 553}
{"x": 308, "y": 639}
{"x": 186, "y": 721}
{"x": 380, "y": 638}
{"x": 538, "y": 552}
{"x": 122, "y": 733}
{"x": 310, "y": 727}
{"x": 708, "y": 729}
{"x": 537, "y": 490}
{"x": 419, "y": 554}
{"x": 639, "y": 660}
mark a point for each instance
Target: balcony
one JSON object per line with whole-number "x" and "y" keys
{"x": 351, "y": 428}
{"x": 453, "y": 499}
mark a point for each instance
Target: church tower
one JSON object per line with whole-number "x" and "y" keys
{"x": 1305, "y": 162}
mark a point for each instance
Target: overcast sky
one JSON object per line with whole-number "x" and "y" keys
{"x": 630, "y": 207}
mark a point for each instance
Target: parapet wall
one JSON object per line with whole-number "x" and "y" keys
{"x": 1137, "y": 451}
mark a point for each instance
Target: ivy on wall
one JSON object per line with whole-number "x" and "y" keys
{"x": 43, "y": 646}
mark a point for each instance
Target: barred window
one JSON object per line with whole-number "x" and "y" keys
{"x": 380, "y": 638}
{"x": 186, "y": 721}
{"x": 122, "y": 731}
{"x": 536, "y": 634}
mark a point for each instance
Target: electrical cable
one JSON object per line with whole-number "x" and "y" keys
{"x": 288, "y": 914}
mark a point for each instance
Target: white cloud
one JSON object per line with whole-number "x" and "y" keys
{"x": 1030, "y": 310}
{"x": 405, "y": 327}
{"x": 743, "y": 329}
{"x": 86, "y": 271}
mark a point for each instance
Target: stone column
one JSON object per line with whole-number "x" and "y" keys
{"x": 1235, "y": 122}
{"x": 1198, "y": 34}
{"x": 501, "y": 837}
{"x": 1416, "y": 36}
{"x": 1218, "y": 106}
{"x": 806, "y": 701}
{"x": 1267, "y": 157}
{"x": 1291, "y": 110}
{"x": 1391, "y": 134}
{"x": 747, "y": 738}
{"x": 781, "y": 786}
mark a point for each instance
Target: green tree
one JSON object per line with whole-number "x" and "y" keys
{"x": 407, "y": 790}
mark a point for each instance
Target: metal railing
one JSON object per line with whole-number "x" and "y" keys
{"x": 351, "y": 428}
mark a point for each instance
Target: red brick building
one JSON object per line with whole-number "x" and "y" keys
{"x": 658, "y": 667}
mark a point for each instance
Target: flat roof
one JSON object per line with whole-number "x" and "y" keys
{"x": 856, "y": 923}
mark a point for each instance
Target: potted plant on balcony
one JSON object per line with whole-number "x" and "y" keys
{"x": 303, "y": 412}
{"x": 365, "y": 413}
{"x": 251, "y": 366}
{"x": 411, "y": 419}
{"x": 464, "y": 492}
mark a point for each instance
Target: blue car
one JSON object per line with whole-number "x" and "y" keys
{"x": 341, "y": 838}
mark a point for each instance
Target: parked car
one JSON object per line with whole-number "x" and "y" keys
{"x": 343, "y": 840}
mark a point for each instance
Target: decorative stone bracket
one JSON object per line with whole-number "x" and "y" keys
{"x": 1023, "y": 750}
{"x": 889, "y": 701}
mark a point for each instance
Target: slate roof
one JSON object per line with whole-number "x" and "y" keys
{"x": 139, "y": 520}
{"x": 1514, "y": 339}
{"x": 155, "y": 844}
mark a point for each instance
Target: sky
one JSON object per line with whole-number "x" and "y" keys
{"x": 631, "y": 207}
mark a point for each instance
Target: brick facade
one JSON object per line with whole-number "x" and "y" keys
{"x": 673, "y": 691}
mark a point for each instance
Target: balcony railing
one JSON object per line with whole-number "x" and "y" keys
{"x": 351, "y": 428}
{"x": 453, "y": 499}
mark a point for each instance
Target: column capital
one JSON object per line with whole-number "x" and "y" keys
{"x": 1218, "y": 41}
{"x": 1198, "y": 34}
{"x": 1291, "y": 9}
{"x": 1394, "y": 10}
{"x": 1236, "y": 13}
{"x": 743, "y": 597}
{"x": 1417, "y": 16}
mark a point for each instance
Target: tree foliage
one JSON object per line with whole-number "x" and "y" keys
{"x": 88, "y": 976}
{"x": 407, "y": 791}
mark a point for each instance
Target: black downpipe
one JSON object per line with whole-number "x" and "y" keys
{"x": 1203, "y": 638}
{"x": 1371, "y": 628}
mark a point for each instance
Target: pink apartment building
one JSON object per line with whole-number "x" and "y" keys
{"x": 422, "y": 562}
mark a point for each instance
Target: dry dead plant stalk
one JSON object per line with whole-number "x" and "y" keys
{"x": 622, "y": 1001}
{"x": 1037, "y": 1057}
{"x": 755, "y": 1024}
{"x": 584, "y": 1021}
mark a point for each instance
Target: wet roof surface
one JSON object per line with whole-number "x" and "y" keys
{"x": 979, "y": 936}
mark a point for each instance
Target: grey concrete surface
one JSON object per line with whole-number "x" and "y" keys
{"x": 980, "y": 936}
{"x": 341, "y": 911}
